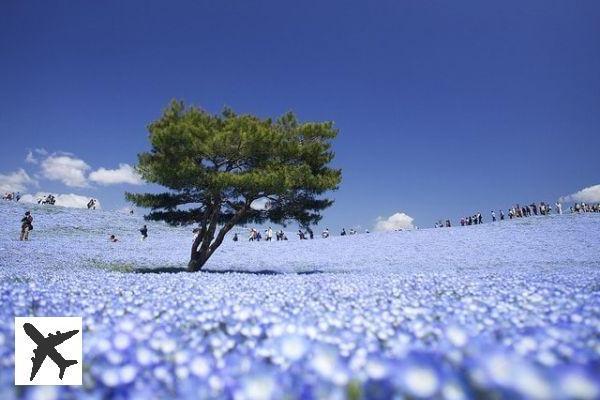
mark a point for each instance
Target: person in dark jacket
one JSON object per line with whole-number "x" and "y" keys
{"x": 26, "y": 226}
{"x": 144, "y": 232}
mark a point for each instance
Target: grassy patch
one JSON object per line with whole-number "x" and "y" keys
{"x": 112, "y": 266}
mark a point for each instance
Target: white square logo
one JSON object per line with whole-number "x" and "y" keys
{"x": 48, "y": 350}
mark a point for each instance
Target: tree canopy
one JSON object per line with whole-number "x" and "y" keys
{"x": 216, "y": 166}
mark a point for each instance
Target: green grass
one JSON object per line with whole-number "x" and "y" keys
{"x": 115, "y": 266}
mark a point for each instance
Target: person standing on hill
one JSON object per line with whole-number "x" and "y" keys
{"x": 26, "y": 226}
{"x": 501, "y": 216}
{"x": 144, "y": 232}
{"x": 493, "y": 216}
{"x": 269, "y": 234}
{"x": 558, "y": 207}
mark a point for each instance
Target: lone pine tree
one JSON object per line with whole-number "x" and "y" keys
{"x": 216, "y": 166}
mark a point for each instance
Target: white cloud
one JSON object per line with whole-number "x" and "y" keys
{"x": 395, "y": 222}
{"x": 261, "y": 204}
{"x": 67, "y": 169}
{"x": 124, "y": 174}
{"x": 589, "y": 194}
{"x": 31, "y": 158}
{"x": 15, "y": 182}
{"x": 63, "y": 200}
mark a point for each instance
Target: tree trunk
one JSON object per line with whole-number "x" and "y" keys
{"x": 199, "y": 257}
{"x": 197, "y": 261}
{"x": 193, "y": 265}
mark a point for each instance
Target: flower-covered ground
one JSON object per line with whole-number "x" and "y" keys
{"x": 508, "y": 310}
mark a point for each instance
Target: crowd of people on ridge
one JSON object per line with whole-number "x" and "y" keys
{"x": 303, "y": 234}
{"x": 518, "y": 211}
{"x": 585, "y": 208}
{"x": 10, "y": 196}
{"x": 49, "y": 199}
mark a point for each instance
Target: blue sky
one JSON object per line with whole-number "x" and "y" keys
{"x": 444, "y": 108}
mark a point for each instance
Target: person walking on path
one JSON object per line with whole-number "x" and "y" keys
{"x": 144, "y": 232}
{"x": 26, "y": 226}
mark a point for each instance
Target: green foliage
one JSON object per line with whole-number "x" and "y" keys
{"x": 215, "y": 166}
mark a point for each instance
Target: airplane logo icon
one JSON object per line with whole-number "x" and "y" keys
{"x": 46, "y": 347}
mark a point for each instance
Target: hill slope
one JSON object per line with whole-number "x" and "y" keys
{"x": 503, "y": 310}
{"x": 78, "y": 235}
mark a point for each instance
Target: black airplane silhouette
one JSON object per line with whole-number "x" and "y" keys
{"x": 46, "y": 347}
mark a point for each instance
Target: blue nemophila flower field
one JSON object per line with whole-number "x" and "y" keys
{"x": 508, "y": 310}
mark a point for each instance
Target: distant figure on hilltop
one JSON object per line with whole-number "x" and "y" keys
{"x": 269, "y": 233}
{"x": 50, "y": 199}
{"x": 279, "y": 235}
{"x": 301, "y": 234}
{"x": 113, "y": 239}
{"x": 493, "y": 216}
{"x": 310, "y": 232}
{"x": 558, "y": 207}
{"x": 26, "y": 226}
{"x": 235, "y": 237}
{"x": 144, "y": 232}
{"x": 91, "y": 205}
{"x": 252, "y": 235}
{"x": 325, "y": 233}
{"x": 343, "y": 233}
